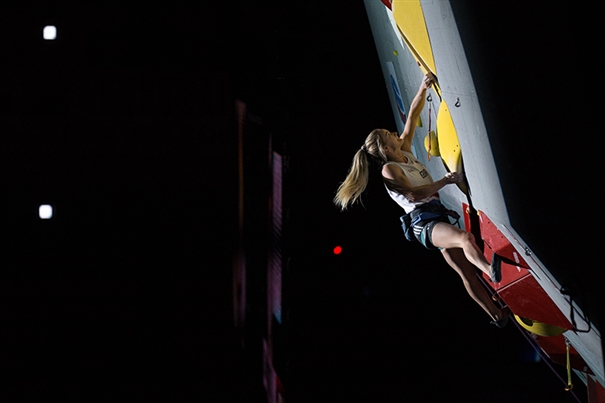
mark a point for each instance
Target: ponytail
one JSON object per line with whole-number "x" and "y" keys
{"x": 356, "y": 181}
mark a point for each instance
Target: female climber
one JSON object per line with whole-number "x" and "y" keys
{"x": 409, "y": 183}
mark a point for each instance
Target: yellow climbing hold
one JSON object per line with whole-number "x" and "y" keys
{"x": 449, "y": 146}
{"x": 539, "y": 328}
{"x": 431, "y": 144}
{"x": 409, "y": 17}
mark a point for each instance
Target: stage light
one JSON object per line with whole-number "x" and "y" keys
{"x": 49, "y": 33}
{"x": 45, "y": 211}
{"x": 337, "y": 250}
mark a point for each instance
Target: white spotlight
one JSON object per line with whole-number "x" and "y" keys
{"x": 50, "y": 32}
{"x": 45, "y": 211}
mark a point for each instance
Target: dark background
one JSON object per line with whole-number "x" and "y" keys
{"x": 126, "y": 125}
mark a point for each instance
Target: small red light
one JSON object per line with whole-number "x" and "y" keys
{"x": 337, "y": 250}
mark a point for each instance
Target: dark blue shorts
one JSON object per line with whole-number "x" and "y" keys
{"x": 424, "y": 231}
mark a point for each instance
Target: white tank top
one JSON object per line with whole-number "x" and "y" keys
{"x": 418, "y": 175}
